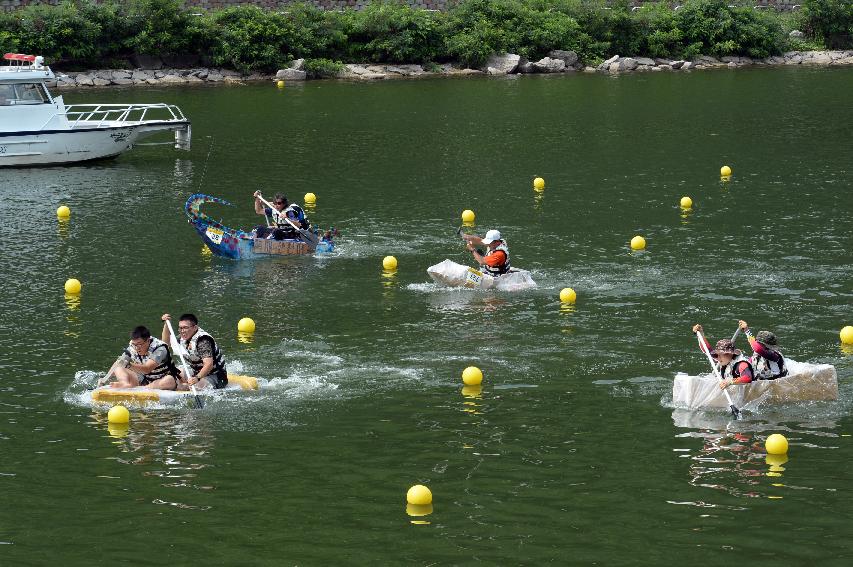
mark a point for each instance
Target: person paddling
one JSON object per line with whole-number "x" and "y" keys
{"x": 734, "y": 367}
{"x": 767, "y": 362}
{"x": 207, "y": 365}
{"x": 284, "y": 212}
{"x": 496, "y": 260}
{"x": 147, "y": 361}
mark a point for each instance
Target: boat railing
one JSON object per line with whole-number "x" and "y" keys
{"x": 118, "y": 114}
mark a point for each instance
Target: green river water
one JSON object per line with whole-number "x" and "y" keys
{"x": 572, "y": 452}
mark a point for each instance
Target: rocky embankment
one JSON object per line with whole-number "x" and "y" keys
{"x": 501, "y": 64}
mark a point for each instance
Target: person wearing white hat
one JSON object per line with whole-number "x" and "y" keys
{"x": 496, "y": 260}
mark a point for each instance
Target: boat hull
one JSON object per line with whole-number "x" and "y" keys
{"x": 805, "y": 382}
{"x": 146, "y": 396}
{"x": 451, "y": 274}
{"x": 59, "y": 147}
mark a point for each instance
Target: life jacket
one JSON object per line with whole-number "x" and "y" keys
{"x": 164, "y": 368}
{"x": 766, "y": 369}
{"x": 301, "y": 221}
{"x": 503, "y": 268}
{"x": 195, "y": 361}
{"x": 731, "y": 372}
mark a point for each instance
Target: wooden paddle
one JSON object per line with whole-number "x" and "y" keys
{"x": 176, "y": 346}
{"x": 704, "y": 347}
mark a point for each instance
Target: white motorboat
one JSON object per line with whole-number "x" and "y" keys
{"x": 451, "y": 274}
{"x": 37, "y": 128}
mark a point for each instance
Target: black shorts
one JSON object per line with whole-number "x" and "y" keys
{"x": 218, "y": 380}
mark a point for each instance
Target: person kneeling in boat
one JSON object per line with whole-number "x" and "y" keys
{"x": 147, "y": 361}
{"x": 202, "y": 354}
{"x": 283, "y": 213}
{"x": 734, "y": 367}
{"x": 496, "y": 260}
{"x": 766, "y": 359}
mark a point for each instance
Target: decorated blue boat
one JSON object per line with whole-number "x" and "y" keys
{"x": 240, "y": 244}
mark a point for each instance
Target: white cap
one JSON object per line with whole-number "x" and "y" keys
{"x": 491, "y": 236}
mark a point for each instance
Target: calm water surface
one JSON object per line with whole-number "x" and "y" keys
{"x": 571, "y": 453}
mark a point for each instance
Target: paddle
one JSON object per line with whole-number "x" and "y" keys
{"x": 704, "y": 347}
{"x": 176, "y": 346}
{"x": 307, "y": 235}
{"x": 737, "y": 332}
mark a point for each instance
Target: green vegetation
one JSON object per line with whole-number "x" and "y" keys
{"x": 251, "y": 39}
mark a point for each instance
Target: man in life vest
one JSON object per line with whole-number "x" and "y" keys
{"x": 496, "y": 260}
{"x": 280, "y": 228}
{"x": 734, "y": 367}
{"x": 766, "y": 359}
{"x": 147, "y": 361}
{"x": 202, "y": 354}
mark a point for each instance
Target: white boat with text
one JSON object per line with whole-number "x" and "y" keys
{"x": 37, "y": 128}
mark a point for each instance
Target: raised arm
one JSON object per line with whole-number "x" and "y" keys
{"x": 259, "y": 207}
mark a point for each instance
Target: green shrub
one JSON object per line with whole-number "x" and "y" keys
{"x": 711, "y": 27}
{"x": 830, "y": 21}
{"x": 392, "y": 32}
{"x": 323, "y": 68}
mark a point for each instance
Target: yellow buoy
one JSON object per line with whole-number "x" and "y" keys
{"x": 118, "y": 414}
{"x": 246, "y": 325}
{"x": 73, "y": 286}
{"x": 63, "y": 212}
{"x": 468, "y": 215}
{"x": 310, "y": 198}
{"x": 389, "y": 263}
{"x": 280, "y": 84}
{"x": 472, "y": 376}
{"x": 539, "y": 183}
{"x": 725, "y": 171}
{"x": 568, "y": 295}
{"x": 686, "y": 202}
{"x": 776, "y": 444}
{"x": 638, "y": 243}
{"x": 417, "y": 510}
{"x": 846, "y": 335}
{"x": 419, "y": 495}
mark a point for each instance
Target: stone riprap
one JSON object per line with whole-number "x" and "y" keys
{"x": 556, "y": 62}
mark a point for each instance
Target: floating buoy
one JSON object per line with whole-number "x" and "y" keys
{"x": 389, "y": 263}
{"x": 846, "y": 335}
{"x": 472, "y": 376}
{"x": 539, "y": 183}
{"x": 246, "y": 325}
{"x": 468, "y": 215}
{"x": 725, "y": 171}
{"x": 310, "y": 198}
{"x": 63, "y": 212}
{"x": 686, "y": 202}
{"x": 73, "y": 286}
{"x": 776, "y": 444}
{"x": 118, "y": 414}
{"x": 638, "y": 243}
{"x": 417, "y": 510}
{"x": 419, "y": 495}
{"x": 280, "y": 84}
{"x": 568, "y": 295}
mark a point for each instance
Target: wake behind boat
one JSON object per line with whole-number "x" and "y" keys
{"x": 804, "y": 382}
{"x": 451, "y": 274}
{"x": 37, "y": 128}
{"x": 239, "y": 244}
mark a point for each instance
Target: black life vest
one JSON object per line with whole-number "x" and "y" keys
{"x": 766, "y": 369}
{"x": 731, "y": 371}
{"x": 162, "y": 369}
{"x": 301, "y": 220}
{"x": 503, "y": 268}
{"x": 195, "y": 361}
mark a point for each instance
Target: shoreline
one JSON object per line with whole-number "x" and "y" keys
{"x": 558, "y": 62}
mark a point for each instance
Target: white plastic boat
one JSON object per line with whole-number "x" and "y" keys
{"x": 142, "y": 396}
{"x": 37, "y": 128}
{"x": 451, "y": 274}
{"x": 804, "y": 382}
